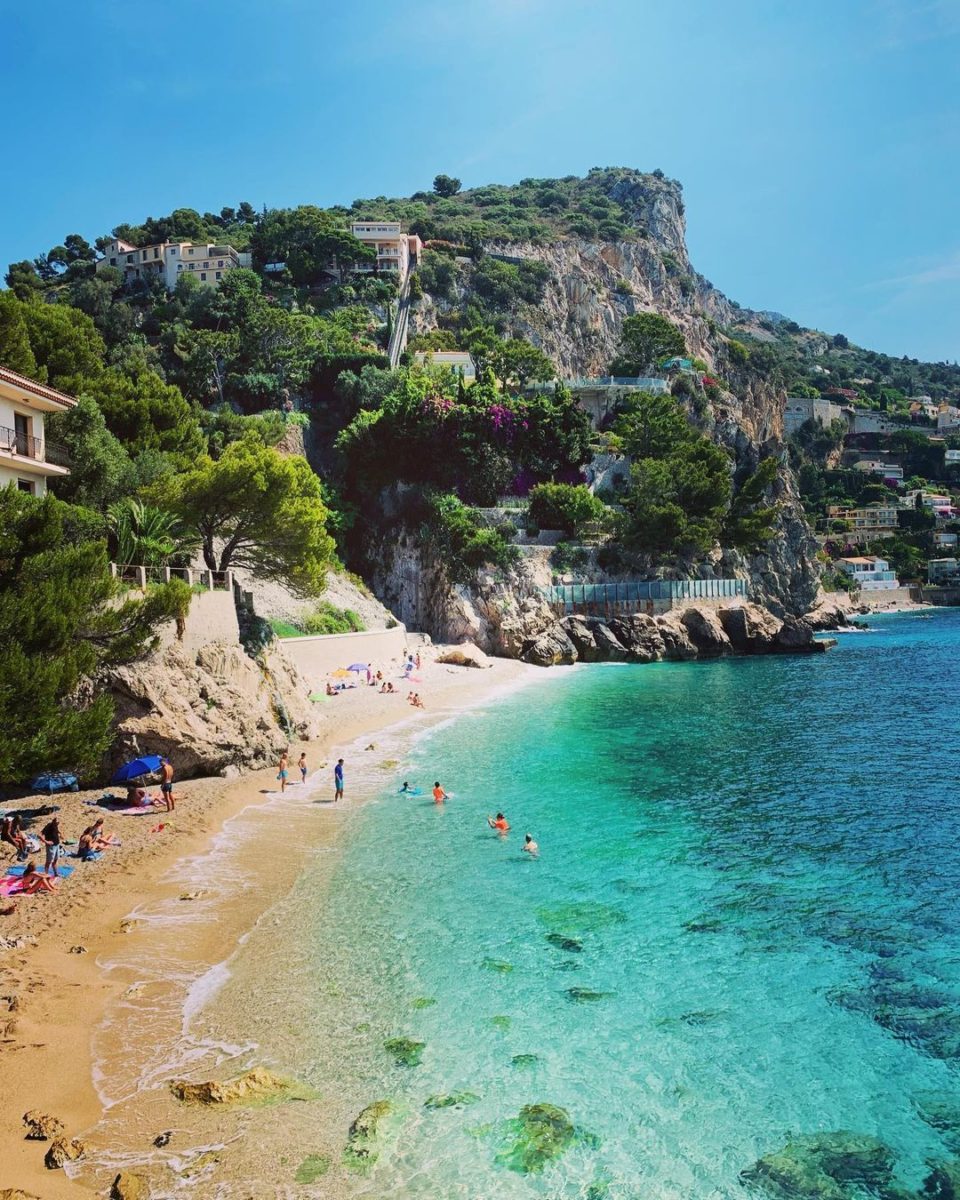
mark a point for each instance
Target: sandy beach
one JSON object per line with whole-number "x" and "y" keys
{"x": 56, "y": 990}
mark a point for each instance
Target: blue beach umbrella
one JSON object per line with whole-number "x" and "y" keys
{"x": 140, "y": 766}
{"x": 359, "y": 667}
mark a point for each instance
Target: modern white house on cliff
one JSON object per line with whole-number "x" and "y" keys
{"x": 871, "y": 574}
{"x": 395, "y": 249}
{"x": 205, "y": 262}
{"x": 27, "y": 460}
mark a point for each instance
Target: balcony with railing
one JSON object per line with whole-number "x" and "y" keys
{"x": 22, "y": 445}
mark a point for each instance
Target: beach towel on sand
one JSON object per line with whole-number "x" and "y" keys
{"x": 62, "y": 869}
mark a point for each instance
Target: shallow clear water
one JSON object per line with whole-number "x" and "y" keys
{"x": 755, "y": 863}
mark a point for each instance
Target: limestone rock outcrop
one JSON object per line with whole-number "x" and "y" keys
{"x": 253, "y": 1086}
{"x": 128, "y": 1186}
{"x": 683, "y": 635}
{"x": 42, "y": 1126}
{"x": 212, "y": 708}
{"x": 63, "y": 1150}
{"x": 464, "y": 655}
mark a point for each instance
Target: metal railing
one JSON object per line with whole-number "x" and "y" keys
{"x": 642, "y": 383}
{"x": 23, "y": 444}
{"x": 628, "y": 596}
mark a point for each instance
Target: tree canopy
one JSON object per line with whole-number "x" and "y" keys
{"x": 256, "y": 508}
{"x": 61, "y": 623}
{"x": 645, "y": 339}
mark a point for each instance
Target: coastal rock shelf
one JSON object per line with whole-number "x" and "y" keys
{"x": 680, "y": 636}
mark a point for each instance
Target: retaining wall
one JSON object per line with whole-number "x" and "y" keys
{"x": 315, "y": 657}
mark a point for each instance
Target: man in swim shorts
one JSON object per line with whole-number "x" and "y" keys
{"x": 302, "y": 764}
{"x": 166, "y": 784}
{"x": 439, "y": 795}
{"x": 338, "y": 781}
{"x": 530, "y": 846}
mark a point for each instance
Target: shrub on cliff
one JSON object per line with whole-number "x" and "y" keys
{"x": 63, "y": 622}
{"x": 645, "y": 338}
{"x": 459, "y": 540}
{"x": 565, "y": 506}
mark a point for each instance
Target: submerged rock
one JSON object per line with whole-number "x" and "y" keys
{"x": 500, "y": 1022}
{"x": 367, "y": 1133}
{"x": 405, "y": 1051}
{"x": 41, "y": 1126}
{"x": 422, "y": 1001}
{"x": 568, "y": 944}
{"x": 585, "y": 995}
{"x": 822, "y": 1166}
{"x": 942, "y": 1113}
{"x": 313, "y": 1167}
{"x": 943, "y": 1182}
{"x": 541, "y": 1133}
{"x": 257, "y": 1086}
{"x": 451, "y": 1100}
{"x": 496, "y": 964}
{"x": 525, "y": 1061}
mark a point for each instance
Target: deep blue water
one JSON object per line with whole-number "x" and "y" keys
{"x": 755, "y": 866}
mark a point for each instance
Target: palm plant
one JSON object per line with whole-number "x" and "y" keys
{"x": 143, "y": 535}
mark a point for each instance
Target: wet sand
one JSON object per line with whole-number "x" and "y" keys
{"x": 55, "y": 996}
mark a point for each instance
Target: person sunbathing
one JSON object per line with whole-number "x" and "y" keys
{"x": 32, "y": 881}
{"x": 11, "y": 833}
{"x": 102, "y": 839}
{"x": 85, "y": 846}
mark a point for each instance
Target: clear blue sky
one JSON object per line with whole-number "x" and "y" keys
{"x": 818, "y": 143}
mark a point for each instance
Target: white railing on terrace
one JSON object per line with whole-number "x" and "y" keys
{"x": 643, "y": 383}
{"x": 141, "y": 577}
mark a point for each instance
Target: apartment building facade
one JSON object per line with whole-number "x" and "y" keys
{"x": 396, "y": 250}
{"x": 205, "y": 262}
{"x": 27, "y": 460}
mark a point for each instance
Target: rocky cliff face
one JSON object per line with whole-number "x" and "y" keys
{"x": 592, "y": 287}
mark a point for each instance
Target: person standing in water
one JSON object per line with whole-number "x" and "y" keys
{"x": 530, "y": 846}
{"x": 302, "y": 764}
{"x": 439, "y": 795}
{"x": 338, "y": 781}
{"x": 282, "y": 771}
{"x": 501, "y": 824}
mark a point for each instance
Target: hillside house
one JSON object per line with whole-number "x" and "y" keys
{"x": 875, "y": 466}
{"x": 800, "y": 409}
{"x": 943, "y": 572}
{"x": 869, "y": 573}
{"x": 27, "y": 459}
{"x": 872, "y": 520}
{"x": 396, "y": 250}
{"x": 456, "y": 360}
{"x": 207, "y": 263}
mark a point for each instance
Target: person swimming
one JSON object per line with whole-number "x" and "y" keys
{"x": 530, "y": 846}
{"x": 439, "y": 795}
{"x": 500, "y": 824}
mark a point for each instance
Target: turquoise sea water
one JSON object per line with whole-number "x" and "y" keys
{"x": 743, "y": 926}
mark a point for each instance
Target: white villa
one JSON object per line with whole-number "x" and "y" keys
{"x": 395, "y": 250}
{"x": 871, "y": 574}
{"x": 26, "y": 459}
{"x": 873, "y": 519}
{"x": 875, "y": 466}
{"x": 456, "y": 360}
{"x": 207, "y": 263}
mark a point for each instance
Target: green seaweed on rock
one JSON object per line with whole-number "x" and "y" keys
{"x": 525, "y": 1062}
{"x": 500, "y": 1022}
{"x": 540, "y": 1134}
{"x": 405, "y": 1051}
{"x": 422, "y": 1001}
{"x": 824, "y": 1166}
{"x": 368, "y": 1135}
{"x": 585, "y": 995}
{"x": 313, "y": 1167}
{"x": 497, "y": 965}
{"x": 585, "y": 916}
{"x": 451, "y": 1100}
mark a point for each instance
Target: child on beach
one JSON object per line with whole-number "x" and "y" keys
{"x": 302, "y": 764}
{"x": 282, "y": 770}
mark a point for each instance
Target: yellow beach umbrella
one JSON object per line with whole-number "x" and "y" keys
{"x": 340, "y": 673}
